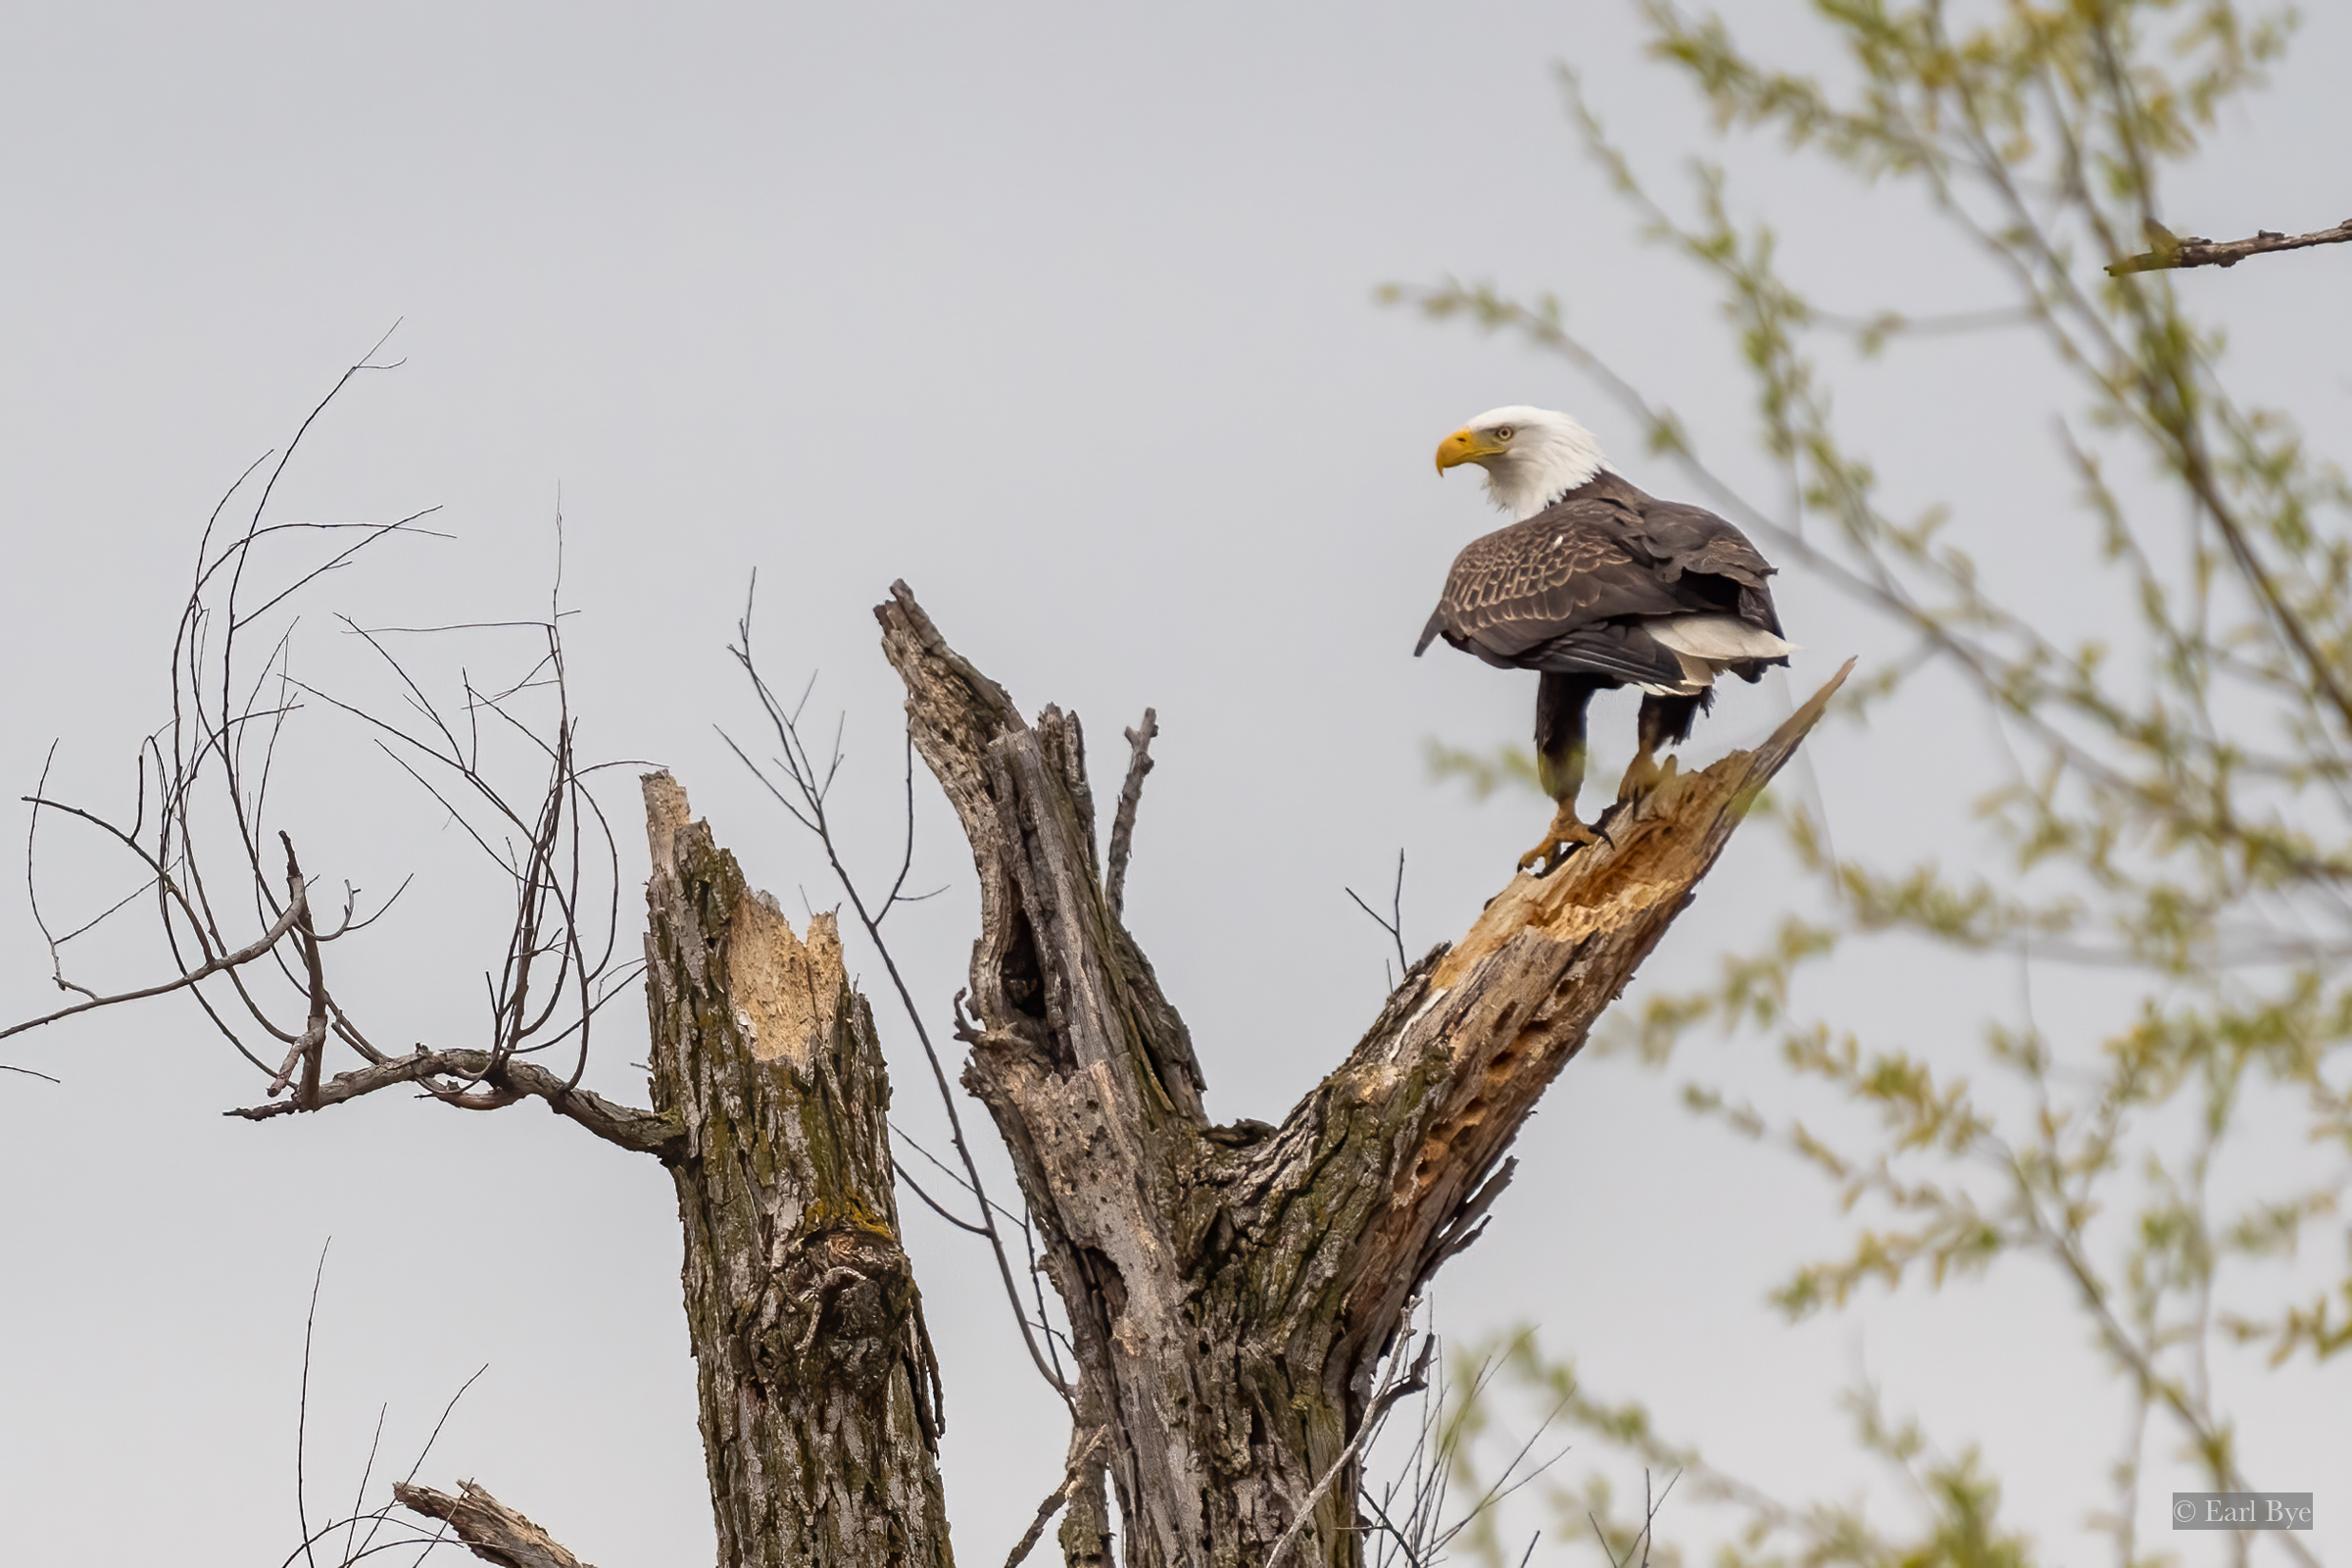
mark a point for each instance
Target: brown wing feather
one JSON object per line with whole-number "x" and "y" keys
{"x": 1690, "y": 540}
{"x": 1568, "y": 588}
{"x": 1568, "y": 568}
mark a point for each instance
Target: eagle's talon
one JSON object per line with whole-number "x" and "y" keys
{"x": 1567, "y": 834}
{"x": 1642, "y": 776}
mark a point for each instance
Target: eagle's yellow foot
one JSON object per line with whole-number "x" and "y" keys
{"x": 1645, "y": 775}
{"x": 1566, "y": 834}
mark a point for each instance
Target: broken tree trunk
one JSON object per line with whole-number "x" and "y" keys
{"x": 489, "y": 1529}
{"x": 1230, "y": 1289}
{"x": 819, "y": 1395}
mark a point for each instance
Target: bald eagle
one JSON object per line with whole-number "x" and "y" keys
{"x": 1598, "y": 585}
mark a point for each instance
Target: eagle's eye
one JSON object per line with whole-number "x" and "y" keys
{"x": 1503, "y": 432}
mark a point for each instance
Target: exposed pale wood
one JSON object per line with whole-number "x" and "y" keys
{"x": 1232, "y": 1290}
{"x": 492, "y": 1531}
{"x": 818, "y": 1390}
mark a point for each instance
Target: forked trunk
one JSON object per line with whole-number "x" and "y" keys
{"x": 1230, "y": 1289}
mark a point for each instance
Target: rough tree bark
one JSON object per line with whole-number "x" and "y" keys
{"x": 819, "y": 1393}
{"x": 1232, "y": 1289}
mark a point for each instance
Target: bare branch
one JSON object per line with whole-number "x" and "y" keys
{"x": 933, "y": 1204}
{"x": 1122, "y": 823}
{"x": 2196, "y": 250}
{"x": 204, "y": 971}
{"x": 642, "y": 1132}
{"x": 302, "y": 1419}
{"x": 33, "y": 890}
{"x": 1394, "y": 925}
{"x": 313, "y": 1044}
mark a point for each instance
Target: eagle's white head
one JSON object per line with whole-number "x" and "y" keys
{"x": 1533, "y": 457}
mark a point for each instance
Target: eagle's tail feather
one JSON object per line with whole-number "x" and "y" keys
{"x": 1720, "y": 639}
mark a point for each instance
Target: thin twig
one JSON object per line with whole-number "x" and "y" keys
{"x": 432, "y": 1437}
{"x": 359, "y": 1500}
{"x": 302, "y": 1418}
{"x": 32, "y": 891}
{"x": 933, "y": 1204}
{"x": 1395, "y": 924}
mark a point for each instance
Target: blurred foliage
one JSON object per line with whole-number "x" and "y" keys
{"x": 1484, "y": 771}
{"x": 2174, "y": 820}
{"x": 1958, "y": 1502}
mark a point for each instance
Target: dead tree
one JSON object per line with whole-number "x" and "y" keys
{"x": 1230, "y": 1289}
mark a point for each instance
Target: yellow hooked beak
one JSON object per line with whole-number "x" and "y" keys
{"x": 1465, "y": 446}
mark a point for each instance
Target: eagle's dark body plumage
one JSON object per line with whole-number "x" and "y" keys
{"x": 1576, "y": 592}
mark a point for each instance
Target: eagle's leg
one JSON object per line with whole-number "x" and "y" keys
{"x": 1664, "y": 721}
{"x": 1560, "y": 702}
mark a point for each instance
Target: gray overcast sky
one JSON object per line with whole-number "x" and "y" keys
{"x": 1063, "y": 314}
